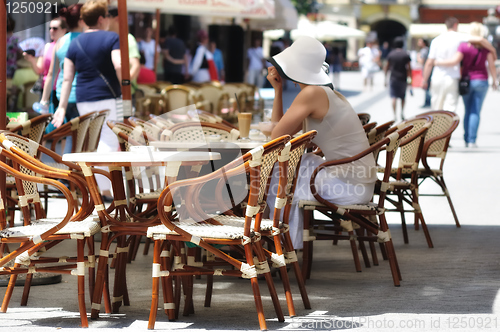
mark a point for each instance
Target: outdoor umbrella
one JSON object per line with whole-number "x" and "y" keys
{"x": 325, "y": 30}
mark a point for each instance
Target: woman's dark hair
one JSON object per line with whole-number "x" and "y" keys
{"x": 71, "y": 15}
{"x": 62, "y": 22}
{"x": 11, "y": 24}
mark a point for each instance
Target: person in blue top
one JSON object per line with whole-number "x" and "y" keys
{"x": 95, "y": 55}
{"x": 75, "y": 27}
{"x": 218, "y": 60}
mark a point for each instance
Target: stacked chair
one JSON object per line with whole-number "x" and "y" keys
{"x": 191, "y": 223}
{"x": 403, "y": 194}
{"x": 347, "y": 218}
{"x": 38, "y": 235}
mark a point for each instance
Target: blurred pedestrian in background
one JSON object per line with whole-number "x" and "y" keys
{"x": 335, "y": 60}
{"x": 147, "y": 46}
{"x": 422, "y": 56}
{"x": 199, "y": 67}
{"x": 146, "y": 75}
{"x": 41, "y": 64}
{"x": 444, "y": 80}
{"x": 369, "y": 57}
{"x": 255, "y": 64}
{"x": 384, "y": 52}
{"x": 95, "y": 55}
{"x": 473, "y": 59}
{"x": 218, "y": 60}
{"x": 398, "y": 63}
{"x": 14, "y": 52}
{"x": 174, "y": 58}
{"x": 71, "y": 15}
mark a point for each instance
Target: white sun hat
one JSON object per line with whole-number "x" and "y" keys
{"x": 303, "y": 62}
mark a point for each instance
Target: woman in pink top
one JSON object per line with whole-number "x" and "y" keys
{"x": 41, "y": 65}
{"x": 474, "y": 60}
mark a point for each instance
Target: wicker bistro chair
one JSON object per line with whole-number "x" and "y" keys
{"x": 199, "y": 132}
{"x": 129, "y": 136}
{"x": 347, "y": 217}
{"x": 436, "y": 143}
{"x": 369, "y": 126}
{"x": 364, "y": 118}
{"x": 34, "y": 128}
{"x": 220, "y": 103}
{"x": 201, "y": 229}
{"x": 76, "y": 129}
{"x": 161, "y": 121}
{"x": 94, "y": 131}
{"x": 37, "y": 236}
{"x": 176, "y": 97}
{"x": 276, "y": 231}
{"x": 406, "y": 192}
{"x": 204, "y": 116}
{"x": 149, "y": 127}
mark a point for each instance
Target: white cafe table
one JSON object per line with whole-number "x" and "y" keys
{"x": 124, "y": 223}
{"x": 244, "y": 145}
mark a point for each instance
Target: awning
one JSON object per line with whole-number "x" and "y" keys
{"x": 325, "y": 30}
{"x": 286, "y": 18}
{"x": 431, "y": 30}
{"x": 259, "y": 9}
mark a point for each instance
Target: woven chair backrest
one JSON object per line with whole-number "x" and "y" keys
{"x": 94, "y": 130}
{"x": 364, "y": 118}
{"x": 31, "y": 148}
{"x": 131, "y": 136}
{"x": 199, "y": 131}
{"x": 444, "y": 122}
{"x": 153, "y": 130}
{"x": 161, "y": 121}
{"x": 299, "y": 145}
{"x": 33, "y": 128}
{"x": 215, "y": 95}
{"x": 412, "y": 143}
{"x": 178, "y": 96}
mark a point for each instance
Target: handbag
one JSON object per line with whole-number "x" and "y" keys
{"x": 120, "y": 113}
{"x": 464, "y": 82}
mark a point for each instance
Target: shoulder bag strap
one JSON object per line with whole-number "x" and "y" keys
{"x": 100, "y": 74}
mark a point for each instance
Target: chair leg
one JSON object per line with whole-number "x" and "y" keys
{"x": 270, "y": 284}
{"x": 354, "y": 249}
{"x": 167, "y": 285}
{"x": 256, "y": 291}
{"x": 362, "y": 247}
{"x": 27, "y": 288}
{"x": 91, "y": 261}
{"x": 296, "y": 267}
{"x": 418, "y": 213}
{"x": 401, "y": 209}
{"x": 155, "y": 285}
{"x": 208, "y": 291}
{"x": 307, "y": 249}
{"x": 447, "y": 193}
{"x": 146, "y": 246}
{"x": 391, "y": 253}
{"x": 10, "y": 289}
{"x": 284, "y": 277}
{"x": 81, "y": 282}
{"x": 101, "y": 284}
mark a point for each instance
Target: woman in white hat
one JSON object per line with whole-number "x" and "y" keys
{"x": 340, "y": 133}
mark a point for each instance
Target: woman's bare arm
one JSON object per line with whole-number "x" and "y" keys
{"x": 493, "y": 70}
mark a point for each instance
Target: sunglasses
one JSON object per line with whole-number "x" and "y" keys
{"x": 54, "y": 28}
